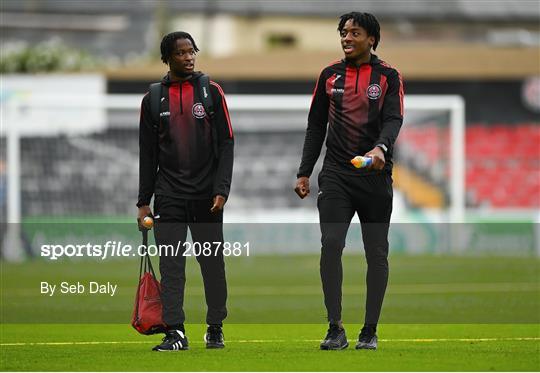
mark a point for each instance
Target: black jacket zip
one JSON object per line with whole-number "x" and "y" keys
{"x": 357, "y": 73}
{"x": 181, "y": 103}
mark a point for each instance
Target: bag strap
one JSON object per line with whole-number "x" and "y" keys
{"x": 146, "y": 263}
{"x": 155, "y": 104}
{"x": 206, "y": 97}
{"x": 145, "y": 245}
{"x": 208, "y": 103}
{"x": 149, "y": 265}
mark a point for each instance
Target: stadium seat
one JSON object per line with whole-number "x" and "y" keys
{"x": 502, "y": 161}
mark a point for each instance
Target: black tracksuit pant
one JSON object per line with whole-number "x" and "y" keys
{"x": 340, "y": 197}
{"x": 173, "y": 217}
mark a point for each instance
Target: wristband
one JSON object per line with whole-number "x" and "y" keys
{"x": 382, "y": 147}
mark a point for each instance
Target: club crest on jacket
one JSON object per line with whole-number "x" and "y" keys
{"x": 373, "y": 91}
{"x": 198, "y": 110}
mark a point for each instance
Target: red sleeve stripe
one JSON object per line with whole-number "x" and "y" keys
{"x": 401, "y": 92}
{"x": 225, "y": 108}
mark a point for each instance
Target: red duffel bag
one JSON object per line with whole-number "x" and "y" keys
{"x": 147, "y": 311}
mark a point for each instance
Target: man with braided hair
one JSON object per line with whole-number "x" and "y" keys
{"x": 359, "y": 101}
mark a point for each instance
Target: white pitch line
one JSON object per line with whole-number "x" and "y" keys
{"x": 277, "y": 341}
{"x": 69, "y": 343}
{"x": 462, "y": 339}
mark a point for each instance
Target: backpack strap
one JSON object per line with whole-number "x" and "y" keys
{"x": 208, "y": 103}
{"x": 155, "y": 104}
{"x": 206, "y": 97}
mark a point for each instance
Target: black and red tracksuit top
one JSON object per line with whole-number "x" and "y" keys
{"x": 179, "y": 161}
{"x": 363, "y": 107}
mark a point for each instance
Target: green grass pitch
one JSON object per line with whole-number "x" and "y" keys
{"x": 440, "y": 313}
{"x": 254, "y": 347}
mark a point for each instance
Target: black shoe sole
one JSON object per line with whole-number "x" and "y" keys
{"x": 214, "y": 346}
{"x": 365, "y": 348}
{"x": 328, "y": 348}
{"x": 160, "y": 350}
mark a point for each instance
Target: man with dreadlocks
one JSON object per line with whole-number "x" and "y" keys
{"x": 186, "y": 161}
{"x": 360, "y": 98}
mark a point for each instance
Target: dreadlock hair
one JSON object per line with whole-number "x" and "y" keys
{"x": 365, "y": 20}
{"x": 167, "y": 44}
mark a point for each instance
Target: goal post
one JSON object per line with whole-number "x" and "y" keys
{"x": 456, "y": 107}
{"x": 79, "y": 116}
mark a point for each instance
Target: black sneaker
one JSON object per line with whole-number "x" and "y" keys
{"x": 335, "y": 339}
{"x": 214, "y": 337}
{"x": 367, "y": 340}
{"x": 174, "y": 340}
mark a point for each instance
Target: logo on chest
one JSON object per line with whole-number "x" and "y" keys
{"x": 374, "y": 91}
{"x": 198, "y": 110}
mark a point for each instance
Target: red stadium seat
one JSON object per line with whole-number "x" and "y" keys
{"x": 502, "y": 161}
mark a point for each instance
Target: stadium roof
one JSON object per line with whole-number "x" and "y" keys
{"x": 386, "y": 9}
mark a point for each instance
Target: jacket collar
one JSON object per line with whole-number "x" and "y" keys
{"x": 167, "y": 78}
{"x": 374, "y": 60}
